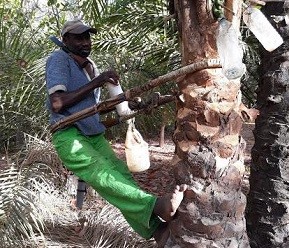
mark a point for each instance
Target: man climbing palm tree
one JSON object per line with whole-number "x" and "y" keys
{"x": 73, "y": 84}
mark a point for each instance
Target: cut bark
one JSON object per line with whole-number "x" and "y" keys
{"x": 267, "y": 208}
{"x": 209, "y": 149}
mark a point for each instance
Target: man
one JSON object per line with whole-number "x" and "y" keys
{"x": 73, "y": 84}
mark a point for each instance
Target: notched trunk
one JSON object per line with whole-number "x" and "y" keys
{"x": 209, "y": 149}
{"x": 267, "y": 210}
{"x": 212, "y": 204}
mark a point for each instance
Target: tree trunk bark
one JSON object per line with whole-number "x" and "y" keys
{"x": 267, "y": 210}
{"x": 209, "y": 149}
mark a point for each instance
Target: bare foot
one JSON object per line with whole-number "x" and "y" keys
{"x": 166, "y": 206}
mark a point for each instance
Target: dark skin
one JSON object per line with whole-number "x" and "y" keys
{"x": 80, "y": 45}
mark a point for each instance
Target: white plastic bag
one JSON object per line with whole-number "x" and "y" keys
{"x": 136, "y": 150}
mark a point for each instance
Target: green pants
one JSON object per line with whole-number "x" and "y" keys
{"x": 93, "y": 160}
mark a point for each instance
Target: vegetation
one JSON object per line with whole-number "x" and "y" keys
{"x": 25, "y": 28}
{"x": 138, "y": 38}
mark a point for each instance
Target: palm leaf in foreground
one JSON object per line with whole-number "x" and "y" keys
{"x": 20, "y": 219}
{"x": 102, "y": 226}
{"x": 35, "y": 208}
{"x": 24, "y": 178}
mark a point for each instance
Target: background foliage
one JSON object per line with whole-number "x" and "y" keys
{"x": 133, "y": 37}
{"x": 137, "y": 38}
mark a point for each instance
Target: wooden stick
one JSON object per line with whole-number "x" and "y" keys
{"x": 136, "y": 91}
{"x": 228, "y": 7}
{"x": 161, "y": 101}
{"x": 103, "y": 106}
{"x": 205, "y": 64}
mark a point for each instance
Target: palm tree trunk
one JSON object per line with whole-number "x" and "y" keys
{"x": 209, "y": 150}
{"x": 267, "y": 210}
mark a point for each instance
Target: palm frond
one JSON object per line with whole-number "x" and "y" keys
{"x": 101, "y": 226}
{"x": 19, "y": 214}
{"x": 26, "y": 177}
{"x": 139, "y": 28}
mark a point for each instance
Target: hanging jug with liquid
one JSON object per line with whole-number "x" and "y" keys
{"x": 229, "y": 50}
{"x": 262, "y": 28}
{"x": 136, "y": 150}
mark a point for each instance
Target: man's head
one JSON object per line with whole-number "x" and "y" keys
{"x": 76, "y": 37}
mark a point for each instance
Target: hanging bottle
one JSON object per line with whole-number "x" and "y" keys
{"x": 229, "y": 50}
{"x": 114, "y": 90}
{"x": 262, "y": 28}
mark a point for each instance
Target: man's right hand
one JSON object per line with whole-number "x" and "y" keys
{"x": 107, "y": 77}
{"x": 62, "y": 100}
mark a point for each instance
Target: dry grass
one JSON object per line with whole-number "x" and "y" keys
{"x": 97, "y": 225}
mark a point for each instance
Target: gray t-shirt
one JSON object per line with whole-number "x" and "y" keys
{"x": 63, "y": 73}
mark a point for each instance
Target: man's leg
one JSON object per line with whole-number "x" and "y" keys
{"x": 93, "y": 160}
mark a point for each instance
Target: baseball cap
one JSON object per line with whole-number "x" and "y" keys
{"x": 76, "y": 27}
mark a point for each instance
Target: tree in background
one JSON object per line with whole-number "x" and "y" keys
{"x": 22, "y": 44}
{"x": 267, "y": 208}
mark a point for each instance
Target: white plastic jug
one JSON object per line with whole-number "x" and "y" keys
{"x": 262, "y": 28}
{"x": 229, "y": 50}
{"x": 136, "y": 150}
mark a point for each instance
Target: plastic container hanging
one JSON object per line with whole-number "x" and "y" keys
{"x": 262, "y": 28}
{"x": 230, "y": 52}
{"x": 136, "y": 150}
{"x": 121, "y": 108}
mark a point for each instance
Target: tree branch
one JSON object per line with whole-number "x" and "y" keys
{"x": 134, "y": 92}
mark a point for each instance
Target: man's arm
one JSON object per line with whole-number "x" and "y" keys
{"x": 61, "y": 99}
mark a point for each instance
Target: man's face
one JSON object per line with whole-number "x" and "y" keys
{"x": 79, "y": 44}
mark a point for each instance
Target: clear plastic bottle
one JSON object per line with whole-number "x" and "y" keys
{"x": 121, "y": 108}
{"x": 262, "y": 28}
{"x": 229, "y": 50}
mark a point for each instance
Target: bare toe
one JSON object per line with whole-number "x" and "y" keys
{"x": 167, "y": 206}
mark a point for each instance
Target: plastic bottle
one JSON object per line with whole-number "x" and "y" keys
{"x": 230, "y": 52}
{"x": 262, "y": 28}
{"x": 121, "y": 108}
